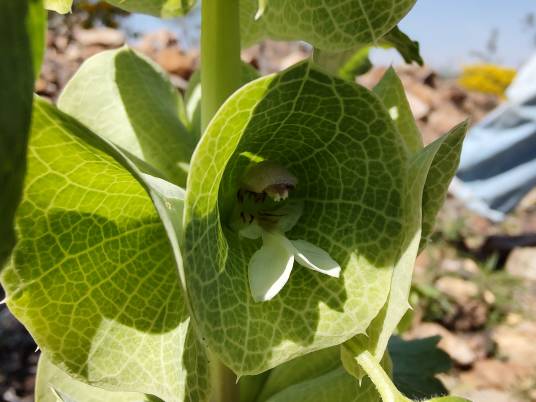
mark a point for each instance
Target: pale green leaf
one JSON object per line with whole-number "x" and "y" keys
{"x": 328, "y": 25}
{"x": 94, "y": 277}
{"x": 52, "y": 382}
{"x": 391, "y": 92}
{"x": 128, "y": 100}
{"x": 335, "y": 386}
{"x": 316, "y": 377}
{"x": 341, "y": 144}
{"x": 299, "y": 370}
{"x": 60, "y": 6}
{"x": 439, "y": 177}
{"x": 397, "y": 304}
{"x": 21, "y": 47}
{"x": 415, "y": 364}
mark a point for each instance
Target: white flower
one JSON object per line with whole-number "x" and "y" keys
{"x": 270, "y": 266}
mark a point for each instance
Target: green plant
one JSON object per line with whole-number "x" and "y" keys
{"x": 154, "y": 262}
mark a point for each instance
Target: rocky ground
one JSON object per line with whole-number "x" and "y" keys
{"x": 475, "y": 285}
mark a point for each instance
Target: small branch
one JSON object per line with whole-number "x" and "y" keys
{"x": 379, "y": 377}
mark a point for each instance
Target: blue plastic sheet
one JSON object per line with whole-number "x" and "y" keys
{"x": 498, "y": 162}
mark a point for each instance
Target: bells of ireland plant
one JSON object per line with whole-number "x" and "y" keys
{"x": 303, "y": 170}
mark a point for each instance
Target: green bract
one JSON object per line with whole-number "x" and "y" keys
{"x": 353, "y": 170}
{"x": 327, "y": 25}
{"x": 129, "y": 101}
{"x": 93, "y": 276}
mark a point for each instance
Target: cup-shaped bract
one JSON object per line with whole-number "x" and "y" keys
{"x": 351, "y": 166}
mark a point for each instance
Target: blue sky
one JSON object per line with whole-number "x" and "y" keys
{"x": 448, "y": 31}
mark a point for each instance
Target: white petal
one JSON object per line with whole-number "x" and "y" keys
{"x": 313, "y": 257}
{"x": 270, "y": 267}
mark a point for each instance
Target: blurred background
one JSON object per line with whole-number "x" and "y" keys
{"x": 475, "y": 285}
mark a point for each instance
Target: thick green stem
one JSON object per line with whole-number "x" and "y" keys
{"x": 379, "y": 377}
{"x": 220, "y": 77}
{"x": 220, "y": 54}
{"x": 223, "y": 382}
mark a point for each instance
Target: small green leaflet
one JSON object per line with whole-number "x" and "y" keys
{"x": 408, "y": 49}
{"x": 391, "y": 92}
{"x": 94, "y": 277}
{"x": 333, "y": 25}
{"x": 427, "y": 184}
{"x": 439, "y": 177}
{"x": 130, "y": 101}
{"x": 341, "y": 144}
{"x": 22, "y": 28}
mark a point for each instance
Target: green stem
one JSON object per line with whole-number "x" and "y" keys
{"x": 220, "y": 55}
{"x": 220, "y": 77}
{"x": 224, "y": 385}
{"x": 379, "y": 377}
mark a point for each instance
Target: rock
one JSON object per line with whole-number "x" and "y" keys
{"x": 292, "y": 59}
{"x": 174, "y": 61}
{"x": 154, "y": 42}
{"x": 418, "y": 107}
{"x": 99, "y": 36}
{"x": 446, "y": 116}
{"x": 456, "y": 347}
{"x": 424, "y": 93}
{"x": 521, "y": 263}
{"x": 528, "y": 201}
{"x": 458, "y": 289}
{"x": 516, "y": 343}
{"x": 468, "y": 316}
{"x": 89, "y": 51}
{"x": 491, "y": 373}
{"x": 488, "y": 395}
{"x": 61, "y": 42}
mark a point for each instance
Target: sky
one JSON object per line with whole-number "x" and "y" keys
{"x": 449, "y": 31}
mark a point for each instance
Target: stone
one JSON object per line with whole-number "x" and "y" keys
{"x": 456, "y": 347}
{"x": 458, "y": 289}
{"x": 446, "y": 116}
{"x": 493, "y": 373}
{"x": 99, "y": 36}
{"x": 419, "y": 109}
{"x": 174, "y": 61}
{"x": 488, "y": 395}
{"x": 521, "y": 263}
{"x": 516, "y": 342}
